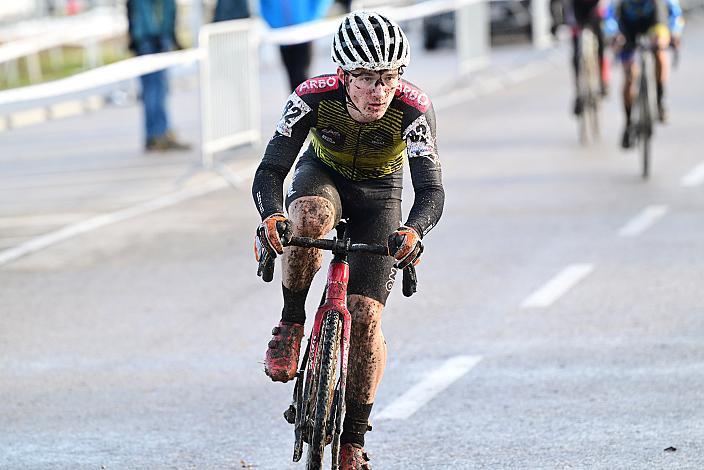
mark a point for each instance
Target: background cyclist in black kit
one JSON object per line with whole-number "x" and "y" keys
{"x": 362, "y": 121}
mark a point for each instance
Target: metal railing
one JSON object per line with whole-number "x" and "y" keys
{"x": 229, "y": 67}
{"x": 86, "y": 30}
{"x": 229, "y": 81}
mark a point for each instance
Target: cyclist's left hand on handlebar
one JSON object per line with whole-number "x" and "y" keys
{"x": 274, "y": 232}
{"x": 405, "y": 246}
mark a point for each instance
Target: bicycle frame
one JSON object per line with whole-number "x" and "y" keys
{"x": 317, "y": 412}
{"x": 643, "y": 102}
{"x": 335, "y": 300}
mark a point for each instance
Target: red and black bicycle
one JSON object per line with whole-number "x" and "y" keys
{"x": 318, "y": 406}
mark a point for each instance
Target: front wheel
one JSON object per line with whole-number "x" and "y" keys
{"x": 325, "y": 369}
{"x": 645, "y": 125}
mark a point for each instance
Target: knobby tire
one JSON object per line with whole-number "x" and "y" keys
{"x": 589, "y": 83}
{"x": 326, "y": 368}
{"x": 645, "y": 120}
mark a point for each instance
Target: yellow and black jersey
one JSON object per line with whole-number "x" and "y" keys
{"x": 357, "y": 151}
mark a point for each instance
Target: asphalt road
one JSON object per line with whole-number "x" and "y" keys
{"x": 140, "y": 344}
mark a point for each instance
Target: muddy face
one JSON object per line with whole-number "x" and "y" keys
{"x": 371, "y": 92}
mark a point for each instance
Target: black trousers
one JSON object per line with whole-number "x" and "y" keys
{"x": 297, "y": 58}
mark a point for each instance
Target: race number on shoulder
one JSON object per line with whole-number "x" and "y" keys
{"x": 294, "y": 111}
{"x": 419, "y": 139}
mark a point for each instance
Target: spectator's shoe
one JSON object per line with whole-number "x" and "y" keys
{"x": 663, "y": 115}
{"x": 353, "y": 457}
{"x": 578, "y": 106}
{"x": 282, "y": 355}
{"x": 165, "y": 143}
{"x": 628, "y": 138}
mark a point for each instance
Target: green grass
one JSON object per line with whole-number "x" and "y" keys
{"x": 72, "y": 63}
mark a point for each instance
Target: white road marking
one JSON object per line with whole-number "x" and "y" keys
{"x": 490, "y": 85}
{"x": 420, "y": 394}
{"x": 695, "y": 177}
{"x": 93, "y": 223}
{"x": 455, "y": 97}
{"x": 66, "y": 109}
{"x": 28, "y": 117}
{"x": 644, "y": 220}
{"x": 236, "y": 178}
{"x": 557, "y": 286}
{"x": 39, "y": 220}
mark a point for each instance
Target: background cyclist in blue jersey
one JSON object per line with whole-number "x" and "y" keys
{"x": 660, "y": 19}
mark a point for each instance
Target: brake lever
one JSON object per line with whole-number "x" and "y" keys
{"x": 410, "y": 280}
{"x": 267, "y": 259}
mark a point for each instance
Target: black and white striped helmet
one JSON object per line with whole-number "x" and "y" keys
{"x": 371, "y": 41}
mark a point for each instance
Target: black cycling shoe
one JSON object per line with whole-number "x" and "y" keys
{"x": 628, "y": 138}
{"x": 578, "y": 106}
{"x": 663, "y": 115}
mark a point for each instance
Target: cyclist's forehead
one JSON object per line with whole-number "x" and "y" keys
{"x": 374, "y": 73}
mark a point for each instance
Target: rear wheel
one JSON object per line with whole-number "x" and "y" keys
{"x": 645, "y": 122}
{"x": 589, "y": 88}
{"x": 326, "y": 371}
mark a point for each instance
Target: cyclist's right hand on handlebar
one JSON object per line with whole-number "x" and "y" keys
{"x": 274, "y": 232}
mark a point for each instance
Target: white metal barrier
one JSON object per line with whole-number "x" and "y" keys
{"x": 472, "y": 36}
{"x": 229, "y": 82}
{"x": 229, "y": 69}
{"x": 86, "y": 30}
{"x": 101, "y": 76}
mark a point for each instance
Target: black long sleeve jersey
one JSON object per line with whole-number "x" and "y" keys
{"x": 357, "y": 151}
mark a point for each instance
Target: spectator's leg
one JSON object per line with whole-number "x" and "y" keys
{"x": 297, "y": 59}
{"x": 162, "y": 119}
{"x": 150, "y": 101}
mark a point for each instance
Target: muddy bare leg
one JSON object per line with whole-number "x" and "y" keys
{"x": 367, "y": 349}
{"x": 365, "y": 367}
{"x": 312, "y": 216}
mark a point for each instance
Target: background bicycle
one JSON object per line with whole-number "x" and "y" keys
{"x": 588, "y": 86}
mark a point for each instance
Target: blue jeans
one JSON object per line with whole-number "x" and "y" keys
{"x": 155, "y": 88}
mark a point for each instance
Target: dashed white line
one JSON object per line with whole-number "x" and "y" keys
{"x": 644, "y": 220}
{"x": 28, "y": 117}
{"x": 558, "y": 286}
{"x": 43, "y": 241}
{"x": 420, "y": 394}
{"x": 695, "y": 177}
{"x": 93, "y": 223}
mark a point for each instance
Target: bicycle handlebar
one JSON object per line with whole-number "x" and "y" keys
{"x": 266, "y": 262}
{"x": 338, "y": 245}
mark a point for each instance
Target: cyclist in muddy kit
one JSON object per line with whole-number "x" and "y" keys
{"x": 361, "y": 121}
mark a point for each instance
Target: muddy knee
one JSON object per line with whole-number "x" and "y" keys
{"x": 312, "y": 216}
{"x": 366, "y": 312}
